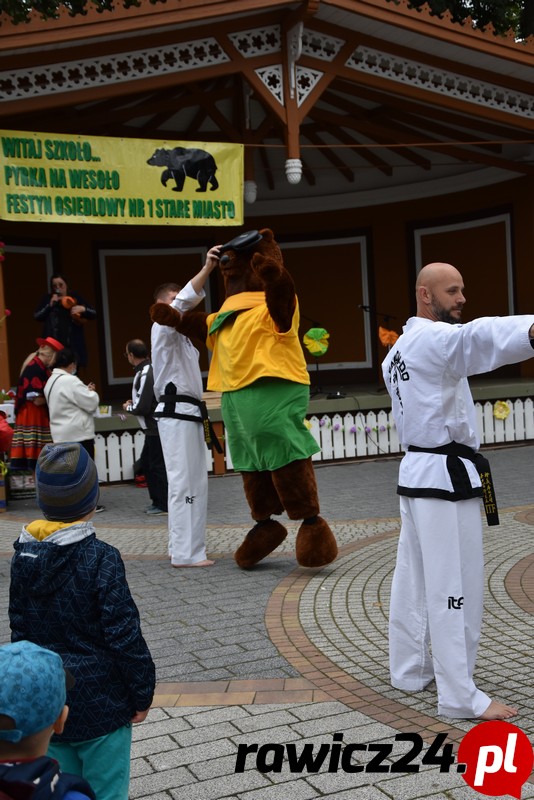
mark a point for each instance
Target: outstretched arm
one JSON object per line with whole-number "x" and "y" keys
{"x": 212, "y": 261}
{"x": 190, "y": 323}
{"x": 187, "y": 322}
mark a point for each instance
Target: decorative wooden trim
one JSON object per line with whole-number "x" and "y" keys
{"x": 148, "y": 15}
{"x": 442, "y": 82}
{"x": 399, "y": 14}
{"x": 263, "y": 45}
{"x": 142, "y": 18}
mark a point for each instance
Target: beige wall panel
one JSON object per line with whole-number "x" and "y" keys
{"x": 480, "y": 254}
{"x": 25, "y": 282}
{"x": 329, "y": 286}
{"x": 128, "y": 282}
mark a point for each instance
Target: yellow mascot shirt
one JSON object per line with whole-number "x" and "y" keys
{"x": 246, "y": 345}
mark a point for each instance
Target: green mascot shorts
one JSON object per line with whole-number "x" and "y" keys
{"x": 265, "y": 425}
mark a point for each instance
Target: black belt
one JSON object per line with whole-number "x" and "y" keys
{"x": 483, "y": 469}
{"x": 170, "y": 398}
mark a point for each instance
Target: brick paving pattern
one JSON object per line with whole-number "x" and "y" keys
{"x": 281, "y": 655}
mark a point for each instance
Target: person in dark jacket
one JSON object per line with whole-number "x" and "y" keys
{"x": 64, "y": 313}
{"x": 143, "y": 404}
{"x": 33, "y": 690}
{"x": 68, "y": 592}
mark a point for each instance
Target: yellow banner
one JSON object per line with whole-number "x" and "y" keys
{"x": 48, "y": 177}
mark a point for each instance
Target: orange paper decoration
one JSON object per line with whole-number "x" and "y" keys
{"x": 387, "y": 337}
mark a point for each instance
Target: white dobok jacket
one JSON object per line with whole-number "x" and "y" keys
{"x": 175, "y": 358}
{"x": 426, "y": 373}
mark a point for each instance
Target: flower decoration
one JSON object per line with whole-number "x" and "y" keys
{"x": 316, "y": 340}
{"x": 501, "y": 409}
{"x": 387, "y": 337}
{"x": 7, "y": 397}
{"x": 7, "y": 313}
{"x": 307, "y": 424}
{"x": 360, "y": 426}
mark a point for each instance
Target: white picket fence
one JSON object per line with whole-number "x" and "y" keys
{"x": 341, "y": 437}
{"x": 116, "y": 453}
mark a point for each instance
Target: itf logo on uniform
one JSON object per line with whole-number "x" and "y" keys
{"x": 455, "y": 602}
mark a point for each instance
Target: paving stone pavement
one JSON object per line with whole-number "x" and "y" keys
{"x": 285, "y": 656}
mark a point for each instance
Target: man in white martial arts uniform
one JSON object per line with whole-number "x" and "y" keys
{"x": 438, "y": 584}
{"x": 177, "y": 373}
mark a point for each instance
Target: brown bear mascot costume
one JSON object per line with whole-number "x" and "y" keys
{"x": 259, "y": 367}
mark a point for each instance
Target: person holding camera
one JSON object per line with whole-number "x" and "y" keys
{"x": 64, "y": 313}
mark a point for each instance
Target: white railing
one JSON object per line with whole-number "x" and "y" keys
{"x": 116, "y": 454}
{"x": 341, "y": 437}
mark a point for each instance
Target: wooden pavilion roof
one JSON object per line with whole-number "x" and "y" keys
{"x": 375, "y": 99}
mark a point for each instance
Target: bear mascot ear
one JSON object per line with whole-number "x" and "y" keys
{"x": 267, "y": 234}
{"x": 269, "y": 247}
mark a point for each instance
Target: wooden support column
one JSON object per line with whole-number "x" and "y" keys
{"x": 5, "y": 381}
{"x": 291, "y": 50}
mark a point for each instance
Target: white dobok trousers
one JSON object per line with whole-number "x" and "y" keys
{"x": 184, "y": 451}
{"x": 437, "y": 602}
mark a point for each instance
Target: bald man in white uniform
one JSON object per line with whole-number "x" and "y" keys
{"x": 438, "y": 584}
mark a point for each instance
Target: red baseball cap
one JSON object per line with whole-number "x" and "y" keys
{"x": 50, "y": 342}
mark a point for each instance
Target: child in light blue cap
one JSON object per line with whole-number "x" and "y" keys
{"x": 32, "y": 707}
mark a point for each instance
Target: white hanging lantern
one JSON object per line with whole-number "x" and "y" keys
{"x": 293, "y": 170}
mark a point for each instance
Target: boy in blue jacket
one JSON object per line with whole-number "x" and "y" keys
{"x": 32, "y": 708}
{"x": 69, "y": 593}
